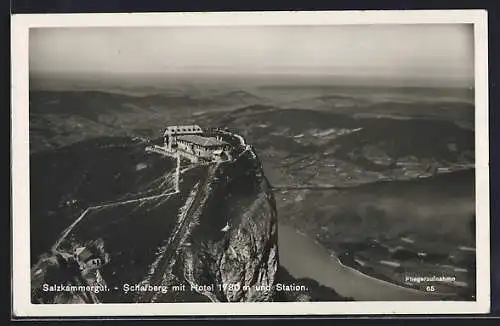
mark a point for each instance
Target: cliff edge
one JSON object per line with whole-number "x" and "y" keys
{"x": 233, "y": 240}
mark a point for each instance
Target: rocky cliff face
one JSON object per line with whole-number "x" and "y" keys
{"x": 234, "y": 246}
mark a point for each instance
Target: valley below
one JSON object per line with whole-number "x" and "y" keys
{"x": 373, "y": 187}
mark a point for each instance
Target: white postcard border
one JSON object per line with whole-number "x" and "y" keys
{"x": 22, "y": 307}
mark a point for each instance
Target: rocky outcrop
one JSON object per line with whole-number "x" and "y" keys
{"x": 233, "y": 252}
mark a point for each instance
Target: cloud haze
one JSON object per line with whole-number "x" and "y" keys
{"x": 433, "y": 51}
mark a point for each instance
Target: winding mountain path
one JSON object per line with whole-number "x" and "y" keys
{"x": 94, "y": 208}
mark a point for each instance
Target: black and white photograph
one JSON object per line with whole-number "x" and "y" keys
{"x": 330, "y": 163}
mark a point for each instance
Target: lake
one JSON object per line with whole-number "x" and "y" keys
{"x": 303, "y": 257}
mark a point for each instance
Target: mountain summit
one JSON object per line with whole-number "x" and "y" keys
{"x": 170, "y": 231}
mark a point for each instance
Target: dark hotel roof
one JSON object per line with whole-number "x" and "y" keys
{"x": 202, "y": 141}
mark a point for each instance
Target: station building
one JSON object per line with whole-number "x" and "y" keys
{"x": 202, "y": 148}
{"x": 189, "y": 142}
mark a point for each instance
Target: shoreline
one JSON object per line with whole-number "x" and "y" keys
{"x": 374, "y": 278}
{"x": 333, "y": 255}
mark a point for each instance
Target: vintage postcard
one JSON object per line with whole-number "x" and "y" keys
{"x": 250, "y": 163}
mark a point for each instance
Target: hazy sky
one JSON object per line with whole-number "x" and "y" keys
{"x": 434, "y": 51}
